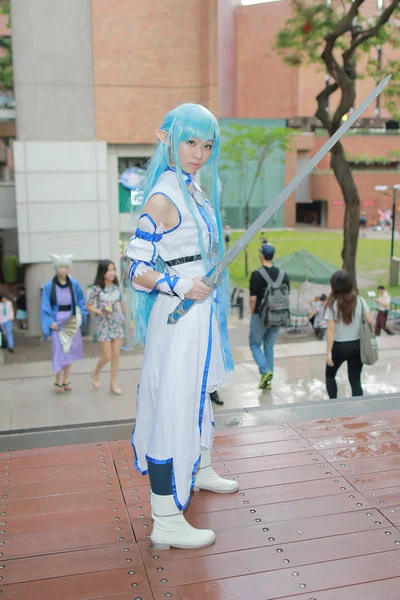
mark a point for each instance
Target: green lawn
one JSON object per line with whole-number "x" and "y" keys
{"x": 373, "y": 255}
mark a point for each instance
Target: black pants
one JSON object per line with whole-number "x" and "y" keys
{"x": 345, "y": 352}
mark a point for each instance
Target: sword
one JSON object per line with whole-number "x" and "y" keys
{"x": 212, "y": 277}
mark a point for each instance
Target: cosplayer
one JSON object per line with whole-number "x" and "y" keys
{"x": 178, "y": 237}
{"x": 63, "y": 310}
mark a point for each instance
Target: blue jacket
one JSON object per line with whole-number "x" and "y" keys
{"x": 48, "y": 313}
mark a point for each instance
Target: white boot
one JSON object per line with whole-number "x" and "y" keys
{"x": 207, "y": 478}
{"x": 170, "y": 527}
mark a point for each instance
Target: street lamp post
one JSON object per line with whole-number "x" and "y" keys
{"x": 393, "y": 268}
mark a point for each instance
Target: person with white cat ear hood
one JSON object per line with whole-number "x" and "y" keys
{"x": 62, "y": 312}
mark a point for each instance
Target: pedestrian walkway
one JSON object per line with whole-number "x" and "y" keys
{"x": 28, "y": 399}
{"x": 317, "y": 518}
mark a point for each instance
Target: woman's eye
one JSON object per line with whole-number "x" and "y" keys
{"x": 191, "y": 142}
{"x": 208, "y": 147}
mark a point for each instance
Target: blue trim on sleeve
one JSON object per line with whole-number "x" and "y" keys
{"x": 174, "y": 281}
{"x": 148, "y": 237}
{"x": 136, "y": 263}
{"x": 179, "y": 213}
{"x": 171, "y": 281}
{"x": 150, "y": 219}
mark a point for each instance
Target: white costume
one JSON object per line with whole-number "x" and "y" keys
{"x": 182, "y": 362}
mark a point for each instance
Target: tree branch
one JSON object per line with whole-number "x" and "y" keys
{"x": 373, "y": 31}
{"x": 345, "y": 25}
{"x": 322, "y": 99}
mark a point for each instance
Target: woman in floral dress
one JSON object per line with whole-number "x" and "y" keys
{"x": 106, "y": 301}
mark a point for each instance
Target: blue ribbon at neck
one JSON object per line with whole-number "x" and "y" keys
{"x": 187, "y": 176}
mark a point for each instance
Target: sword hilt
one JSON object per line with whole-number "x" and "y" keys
{"x": 185, "y": 305}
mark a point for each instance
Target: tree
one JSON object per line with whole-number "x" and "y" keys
{"x": 6, "y": 66}
{"x": 336, "y": 34}
{"x": 245, "y": 148}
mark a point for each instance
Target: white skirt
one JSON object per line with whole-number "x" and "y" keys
{"x": 182, "y": 364}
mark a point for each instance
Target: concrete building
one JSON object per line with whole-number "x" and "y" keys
{"x": 92, "y": 82}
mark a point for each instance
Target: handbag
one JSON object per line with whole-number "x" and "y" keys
{"x": 368, "y": 341}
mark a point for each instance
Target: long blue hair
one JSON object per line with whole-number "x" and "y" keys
{"x": 182, "y": 123}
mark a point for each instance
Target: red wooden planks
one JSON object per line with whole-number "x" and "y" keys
{"x": 106, "y": 584}
{"x": 278, "y": 533}
{"x": 58, "y": 541}
{"x": 260, "y": 560}
{"x": 289, "y": 582}
{"x": 70, "y": 563}
{"x": 369, "y": 465}
{"x": 386, "y": 589}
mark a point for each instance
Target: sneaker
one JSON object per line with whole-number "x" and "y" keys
{"x": 269, "y": 386}
{"x": 266, "y": 379}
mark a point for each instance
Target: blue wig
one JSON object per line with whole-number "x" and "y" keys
{"x": 181, "y": 124}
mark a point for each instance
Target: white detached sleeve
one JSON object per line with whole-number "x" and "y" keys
{"x": 143, "y": 251}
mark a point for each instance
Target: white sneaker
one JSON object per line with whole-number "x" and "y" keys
{"x": 170, "y": 527}
{"x": 207, "y": 479}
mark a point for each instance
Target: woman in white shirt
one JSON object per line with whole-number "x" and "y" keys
{"x": 343, "y": 313}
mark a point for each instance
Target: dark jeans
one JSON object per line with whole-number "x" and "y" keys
{"x": 345, "y": 352}
{"x": 381, "y": 319}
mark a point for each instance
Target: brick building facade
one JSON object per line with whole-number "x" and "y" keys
{"x": 93, "y": 79}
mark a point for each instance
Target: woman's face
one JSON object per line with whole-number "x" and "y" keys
{"x": 62, "y": 271}
{"x": 193, "y": 154}
{"x": 110, "y": 273}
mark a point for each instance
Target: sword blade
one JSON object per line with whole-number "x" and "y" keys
{"x": 213, "y": 276}
{"x": 266, "y": 215}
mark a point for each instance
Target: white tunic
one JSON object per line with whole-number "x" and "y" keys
{"x": 182, "y": 362}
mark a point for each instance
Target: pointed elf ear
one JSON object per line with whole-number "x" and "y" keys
{"x": 162, "y": 135}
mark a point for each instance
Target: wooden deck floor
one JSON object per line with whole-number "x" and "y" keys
{"x": 317, "y": 518}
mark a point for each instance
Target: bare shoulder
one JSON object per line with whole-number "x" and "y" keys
{"x": 158, "y": 203}
{"x": 161, "y": 209}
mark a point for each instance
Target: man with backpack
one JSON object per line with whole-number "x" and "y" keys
{"x": 269, "y": 307}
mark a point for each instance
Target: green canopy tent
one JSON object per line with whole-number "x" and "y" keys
{"x": 303, "y": 266}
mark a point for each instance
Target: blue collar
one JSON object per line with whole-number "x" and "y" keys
{"x": 187, "y": 177}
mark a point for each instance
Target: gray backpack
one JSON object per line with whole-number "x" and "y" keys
{"x": 274, "y": 309}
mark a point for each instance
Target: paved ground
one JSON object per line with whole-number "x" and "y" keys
{"x": 316, "y": 518}
{"x": 28, "y": 398}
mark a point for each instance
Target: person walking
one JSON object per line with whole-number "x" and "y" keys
{"x": 343, "y": 313}
{"x": 106, "y": 301}
{"x": 383, "y": 301}
{"x": 263, "y": 334}
{"x": 62, "y": 312}
{"x": 6, "y": 320}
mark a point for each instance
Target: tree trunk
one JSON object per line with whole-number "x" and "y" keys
{"x": 351, "y": 224}
{"x": 246, "y": 250}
